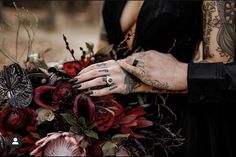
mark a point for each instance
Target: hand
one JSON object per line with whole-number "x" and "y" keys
{"x": 96, "y": 76}
{"x": 157, "y": 69}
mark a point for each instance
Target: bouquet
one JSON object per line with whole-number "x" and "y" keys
{"x": 54, "y": 119}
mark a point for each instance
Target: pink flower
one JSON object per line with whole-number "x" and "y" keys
{"x": 61, "y": 144}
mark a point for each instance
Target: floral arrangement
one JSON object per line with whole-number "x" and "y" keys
{"x": 54, "y": 119}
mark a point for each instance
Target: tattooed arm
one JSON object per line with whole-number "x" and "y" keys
{"x": 219, "y": 28}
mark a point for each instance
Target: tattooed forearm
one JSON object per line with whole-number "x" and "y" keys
{"x": 227, "y": 32}
{"x": 158, "y": 84}
{"x": 219, "y": 37}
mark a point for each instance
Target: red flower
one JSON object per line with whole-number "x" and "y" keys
{"x": 83, "y": 106}
{"x": 133, "y": 119}
{"x": 104, "y": 112}
{"x": 14, "y": 120}
{"x": 20, "y": 121}
{"x": 95, "y": 149}
{"x": 63, "y": 94}
{"x": 108, "y": 114}
{"x": 72, "y": 68}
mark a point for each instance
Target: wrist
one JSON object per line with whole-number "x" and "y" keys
{"x": 183, "y": 81}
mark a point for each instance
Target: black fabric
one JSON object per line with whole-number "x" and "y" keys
{"x": 211, "y": 114}
{"x": 206, "y": 114}
{"x": 212, "y": 82}
{"x": 112, "y": 11}
{"x": 161, "y": 22}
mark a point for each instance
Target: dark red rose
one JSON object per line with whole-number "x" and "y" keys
{"x": 14, "y": 120}
{"x": 72, "y": 68}
{"x": 132, "y": 119}
{"x": 63, "y": 94}
{"x": 22, "y": 122}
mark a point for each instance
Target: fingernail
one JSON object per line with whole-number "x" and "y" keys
{"x": 88, "y": 93}
{"x": 73, "y": 80}
{"x": 77, "y": 86}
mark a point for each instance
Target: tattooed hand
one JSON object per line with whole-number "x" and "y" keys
{"x": 96, "y": 75}
{"x": 158, "y": 70}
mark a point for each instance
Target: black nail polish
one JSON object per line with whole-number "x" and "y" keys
{"x": 77, "y": 86}
{"x": 88, "y": 93}
{"x": 73, "y": 80}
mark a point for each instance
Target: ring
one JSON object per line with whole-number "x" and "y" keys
{"x": 135, "y": 63}
{"x": 109, "y": 80}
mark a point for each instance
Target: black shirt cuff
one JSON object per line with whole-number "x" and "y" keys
{"x": 205, "y": 82}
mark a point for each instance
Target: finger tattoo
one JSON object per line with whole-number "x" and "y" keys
{"x": 112, "y": 88}
{"x": 101, "y": 64}
{"x": 103, "y": 70}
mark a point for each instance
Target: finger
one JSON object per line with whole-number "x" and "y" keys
{"x": 104, "y": 91}
{"x": 92, "y": 83}
{"x": 138, "y": 72}
{"x": 91, "y": 75}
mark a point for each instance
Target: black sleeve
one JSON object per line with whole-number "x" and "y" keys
{"x": 212, "y": 82}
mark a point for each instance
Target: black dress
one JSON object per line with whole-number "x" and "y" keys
{"x": 206, "y": 114}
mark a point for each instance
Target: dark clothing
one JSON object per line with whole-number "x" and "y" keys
{"x": 206, "y": 114}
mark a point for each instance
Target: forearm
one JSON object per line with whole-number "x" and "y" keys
{"x": 219, "y": 31}
{"x": 144, "y": 88}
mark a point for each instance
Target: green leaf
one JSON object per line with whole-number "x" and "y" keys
{"x": 75, "y": 129}
{"x": 109, "y": 149}
{"x": 41, "y": 64}
{"x": 91, "y": 133}
{"x": 118, "y": 138}
{"x": 89, "y": 46}
{"x": 82, "y": 122}
{"x": 70, "y": 119}
{"x": 105, "y": 50}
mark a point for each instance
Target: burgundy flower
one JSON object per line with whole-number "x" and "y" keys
{"x": 39, "y": 96}
{"x": 21, "y": 121}
{"x": 61, "y": 144}
{"x": 108, "y": 114}
{"x": 72, "y": 68}
{"x": 63, "y": 94}
{"x": 14, "y": 120}
{"x": 84, "y": 106}
{"x": 104, "y": 112}
{"x": 95, "y": 149}
{"x": 133, "y": 119}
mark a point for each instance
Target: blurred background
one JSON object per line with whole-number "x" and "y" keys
{"x": 38, "y": 26}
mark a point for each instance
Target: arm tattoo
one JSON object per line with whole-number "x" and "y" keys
{"x": 157, "y": 84}
{"x": 219, "y": 17}
{"x": 131, "y": 83}
{"x": 227, "y": 31}
{"x": 208, "y": 10}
